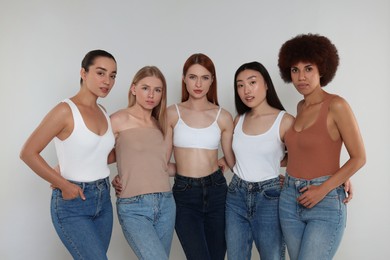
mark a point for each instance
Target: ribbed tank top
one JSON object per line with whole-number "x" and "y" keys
{"x": 312, "y": 153}
{"x": 258, "y": 156}
{"x": 83, "y": 155}
{"x": 141, "y": 161}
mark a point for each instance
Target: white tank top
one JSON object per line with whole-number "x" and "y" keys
{"x": 258, "y": 156}
{"x": 185, "y": 136}
{"x": 83, "y": 155}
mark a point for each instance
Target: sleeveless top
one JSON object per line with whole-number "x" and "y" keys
{"x": 83, "y": 155}
{"x": 311, "y": 152}
{"x": 185, "y": 136}
{"x": 258, "y": 156}
{"x": 141, "y": 161}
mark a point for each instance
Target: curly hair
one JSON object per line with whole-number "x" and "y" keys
{"x": 312, "y": 48}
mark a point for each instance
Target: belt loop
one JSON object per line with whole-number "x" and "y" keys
{"x": 287, "y": 180}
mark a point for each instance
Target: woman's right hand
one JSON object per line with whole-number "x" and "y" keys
{"x": 72, "y": 191}
{"x": 116, "y": 183}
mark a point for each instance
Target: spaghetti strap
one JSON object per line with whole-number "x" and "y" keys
{"x": 177, "y": 109}
{"x": 219, "y": 112}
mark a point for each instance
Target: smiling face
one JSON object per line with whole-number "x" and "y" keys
{"x": 251, "y": 88}
{"x": 305, "y": 77}
{"x": 100, "y": 77}
{"x": 148, "y": 92}
{"x": 198, "y": 81}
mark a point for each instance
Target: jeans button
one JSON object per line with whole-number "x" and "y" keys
{"x": 250, "y": 186}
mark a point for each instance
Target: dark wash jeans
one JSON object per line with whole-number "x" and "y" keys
{"x": 200, "y": 215}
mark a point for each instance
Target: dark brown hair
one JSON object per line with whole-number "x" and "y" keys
{"x": 312, "y": 48}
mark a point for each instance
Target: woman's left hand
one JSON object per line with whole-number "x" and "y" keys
{"x": 348, "y": 188}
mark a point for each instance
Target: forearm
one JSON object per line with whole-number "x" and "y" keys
{"x": 344, "y": 173}
{"x": 43, "y": 170}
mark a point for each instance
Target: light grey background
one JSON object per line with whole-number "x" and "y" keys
{"x": 42, "y": 43}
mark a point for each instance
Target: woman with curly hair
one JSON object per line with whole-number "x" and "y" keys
{"x": 312, "y": 203}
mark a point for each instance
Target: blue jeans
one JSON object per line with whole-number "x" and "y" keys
{"x": 84, "y": 226}
{"x": 252, "y": 215}
{"x": 200, "y": 215}
{"x": 312, "y": 233}
{"x": 148, "y": 223}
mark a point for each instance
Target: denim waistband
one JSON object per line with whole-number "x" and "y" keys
{"x": 202, "y": 181}
{"x": 97, "y": 183}
{"x": 254, "y": 185}
{"x": 289, "y": 180}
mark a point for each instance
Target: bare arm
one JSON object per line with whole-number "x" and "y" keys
{"x": 226, "y": 123}
{"x": 346, "y": 127}
{"x": 56, "y": 123}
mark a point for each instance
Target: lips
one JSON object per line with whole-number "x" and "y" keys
{"x": 105, "y": 90}
{"x": 198, "y": 91}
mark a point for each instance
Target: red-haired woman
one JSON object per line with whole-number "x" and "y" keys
{"x": 197, "y": 126}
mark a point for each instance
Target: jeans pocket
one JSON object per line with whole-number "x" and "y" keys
{"x": 272, "y": 192}
{"x": 180, "y": 186}
{"x": 220, "y": 180}
{"x": 131, "y": 200}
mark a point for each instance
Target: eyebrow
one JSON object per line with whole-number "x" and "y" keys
{"x": 205, "y": 75}
{"x": 250, "y": 77}
{"x": 101, "y": 68}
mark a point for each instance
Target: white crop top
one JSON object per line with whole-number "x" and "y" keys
{"x": 185, "y": 136}
{"x": 83, "y": 155}
{"x": 258, "y": 156}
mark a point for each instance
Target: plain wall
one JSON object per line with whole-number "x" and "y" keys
{"x": 42, "y": 44}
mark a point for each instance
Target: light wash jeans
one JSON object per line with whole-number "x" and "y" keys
{"x": 84, "y": 226}
{"x": 312, "y": 233}
{"x": 252, "y": 215}
{"x": 148, "y": 223}
{"x": 200, "y": 218}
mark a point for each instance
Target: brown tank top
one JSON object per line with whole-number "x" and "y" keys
{"x": 141, "y": 161}
{"x": 312, "y": 153}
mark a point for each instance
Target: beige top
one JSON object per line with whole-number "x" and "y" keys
{"x": 141, "y": 161}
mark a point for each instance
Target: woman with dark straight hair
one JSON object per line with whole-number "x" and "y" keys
{"x": 81, "y": 207}
{"x": 252, "y": 201}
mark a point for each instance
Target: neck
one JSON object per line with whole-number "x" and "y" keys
{"x": 315, "y": 97}
{"x": 198, "y": 104}
{"x": 86, "y": 98}
{"x": 141, "y": 113}
{"x": 261, "y": 109}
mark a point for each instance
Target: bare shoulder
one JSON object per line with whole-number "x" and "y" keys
{"x": 172, "y": 115}
{"x": 225, "y": 115}
{"x": 225, "y": 120}
{"x": 338, "y": 104}
{"x": 171, "y": 108}
{"x": 61, "y": 110}
{"x": 119, "y": 115}
{"x": 288, "y": 119}
{"x": 118, "y": 120}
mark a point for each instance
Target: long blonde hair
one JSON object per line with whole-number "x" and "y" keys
{"x": 159, "y": 112}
